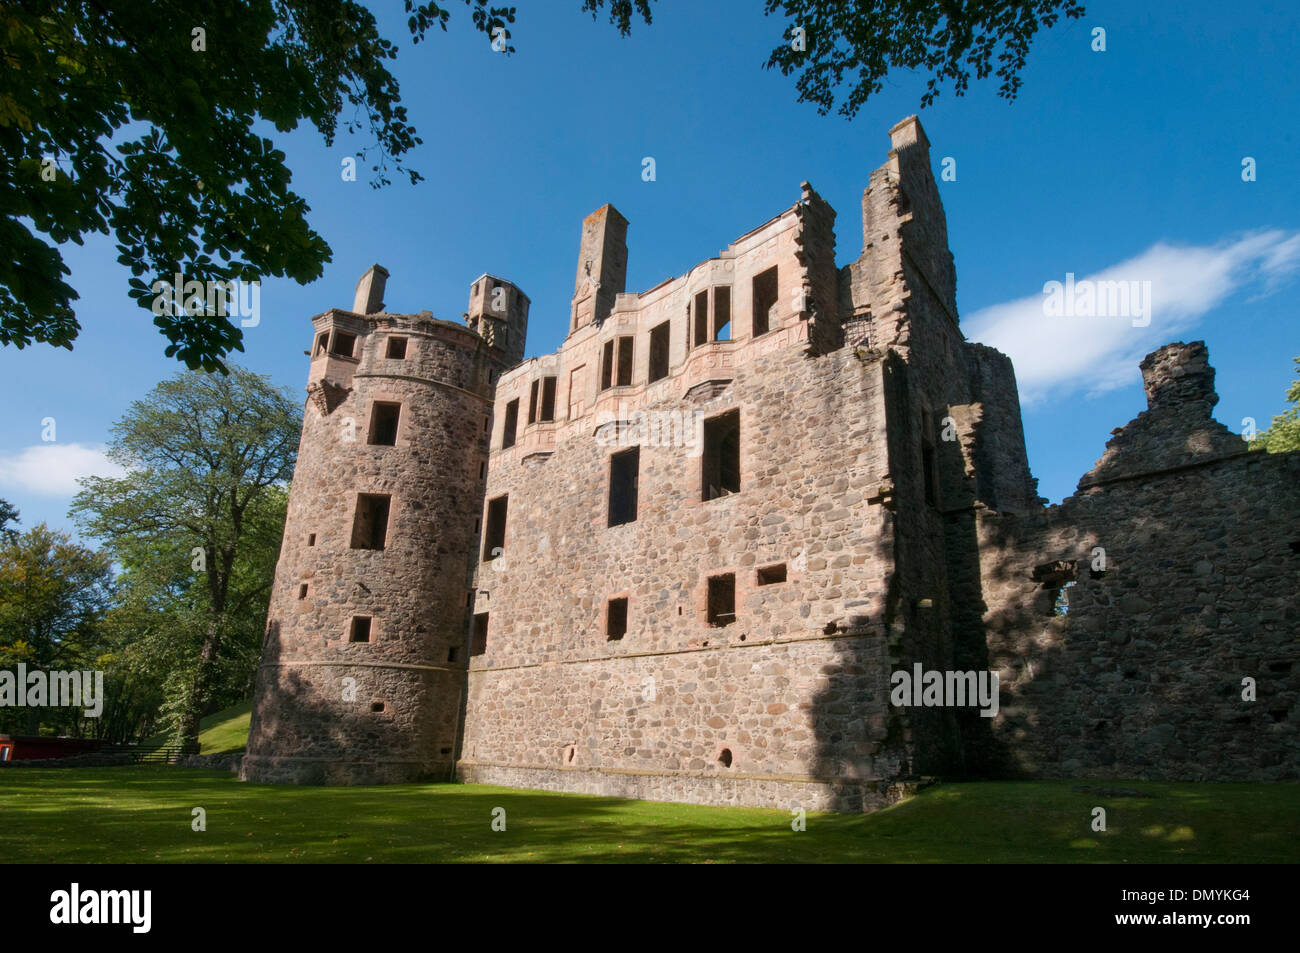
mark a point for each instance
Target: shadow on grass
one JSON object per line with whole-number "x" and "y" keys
{"x": 145, "y": 815}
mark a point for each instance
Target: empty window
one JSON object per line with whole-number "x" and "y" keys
{"x": 764, "y": 300}
{"x": 721, "y": 457}
{"x": 701, "y": 317}
{"x": 624, "y": 362}
{"x": 343, "y": 343}
{"x": 396, "y": 349}
{"x": 302, "y": 591}
{"x": 616, "y": 619}
{"x": 607, "y": 366}
{"x": 360, "y": 629}
{"x": 451, "y": 654}
{"x": 659, "y": 352}
{"x": 548, "y": 399}
{"x": 377, "y": 707}
{"x": 722, "y": 599}
{"x": 928, "y": 459}
{"x": 511, "y": 425}
{"x": 478, "y": 645}
{"x": 724, "y": 757}
{"x": 722, "y": 313}
{"x": 383, "y": 424}
{"x": 494, "y": 541}
{"x": 311, "y": 539}
{"x": 543, "y": 409}
{"x": 322, "y": 343}
{"x": 370, "y": 528}
{"x": 771, "y": 575}
{"x": 623, "y": 472}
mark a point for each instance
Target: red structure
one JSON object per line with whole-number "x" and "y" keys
{"x": 34, "y": 748}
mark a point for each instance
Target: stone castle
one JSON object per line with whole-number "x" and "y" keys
{"x": 680, "y": 558}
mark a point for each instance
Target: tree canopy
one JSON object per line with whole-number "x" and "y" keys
{"x": 196, "y": 524}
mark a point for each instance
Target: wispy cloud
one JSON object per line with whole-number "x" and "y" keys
{"x": 52, "y": 469}
{"x": 1056, "y": 354}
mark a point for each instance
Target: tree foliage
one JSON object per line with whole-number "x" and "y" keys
{"x": 948, "y": 40}
{"x": 113, "y": 120}
{"x": 53, "y": 596}
{"x": 1284, "y": 433}
{"x": 195, "y": 524}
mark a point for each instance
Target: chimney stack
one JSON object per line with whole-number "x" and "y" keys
{"x": 370, "y": 291}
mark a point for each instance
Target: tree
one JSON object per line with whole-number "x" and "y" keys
{"x": 53, "y": 594}
{"x": 196, "y": 524}
{"x": 945, "y": 38}
{"x": 137, "y": 118}
{"x": 8, "y": 515}
{"x": 1284, "y": 433}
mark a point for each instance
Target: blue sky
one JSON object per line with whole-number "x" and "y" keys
{"x": 1124, "y": 162}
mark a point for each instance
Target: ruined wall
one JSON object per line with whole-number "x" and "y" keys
{"x": 1196, "y": 589}
{"x": 794, "y": 688}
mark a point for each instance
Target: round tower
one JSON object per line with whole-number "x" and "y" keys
{"x": 364, "y": 656}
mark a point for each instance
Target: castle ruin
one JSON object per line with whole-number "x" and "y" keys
{"x": 680, "y": 558}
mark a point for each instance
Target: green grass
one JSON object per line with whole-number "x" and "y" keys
{"x": 222, "y": 731}
{"x": 143, "y": 814}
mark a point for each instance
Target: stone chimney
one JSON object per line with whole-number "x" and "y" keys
{"x": 1179, "y": 374}
{"x": 370, "y": 291}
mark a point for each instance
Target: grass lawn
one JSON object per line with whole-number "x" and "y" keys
{"x": 143, "y": 814}
{"x": 222, "y": 731}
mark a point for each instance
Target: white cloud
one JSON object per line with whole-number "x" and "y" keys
{"x": 52, "y": 469}
{"x": 1095, "y": 354}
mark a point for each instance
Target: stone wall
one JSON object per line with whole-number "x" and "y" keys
{"x": 1184, "y": 553}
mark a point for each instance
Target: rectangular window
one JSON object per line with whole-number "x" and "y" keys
{"x": 722, "y": 599}
{"x": 720, "y": 460}
{"x": 548, "y": 399}
{"x": 396, "y": 349}
{"x": 928, "y": 459}
{"x": 722, "y": 313}
{"x": 302, "y": 591}
{"x": 623, "y": 473}
{"x": 494, "y": 540}
{"x": 616, "y": 619}
{"x": 359, "y": 631}
{"x": 624, "y": 362}
{"x": 701, "y": 317}
{"x": 764, "y": 299}
{"x": 343, "y": 344}
{"x": 532, "y": 403}
{"x": 511, "y": 425}
{"x": 607, "y": 366}
{"x": 370, "y": 527}
{"x": 659, "y": 352}
{"x": 771, "y": 575}
{"x": 478, "y": 644}
{"x": 383, "y": 424}
{"x": 322, "y": 343}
